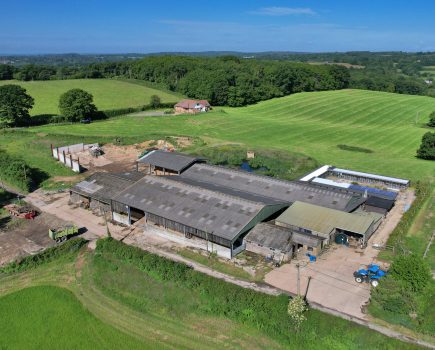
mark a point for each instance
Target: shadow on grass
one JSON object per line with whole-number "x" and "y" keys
{"x": 38, "y": 176}
{"x": 4, "y": 222}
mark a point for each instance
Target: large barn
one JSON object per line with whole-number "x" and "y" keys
{"x": 214, "y": 213}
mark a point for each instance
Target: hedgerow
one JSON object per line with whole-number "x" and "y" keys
{"x": 65, "y": 250}
{"x": 216, "y": 298}
{"x": 422, "y": 192}
{"x": 266, "y": 312}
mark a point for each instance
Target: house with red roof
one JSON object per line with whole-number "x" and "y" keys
{"x": 192, "y": 106}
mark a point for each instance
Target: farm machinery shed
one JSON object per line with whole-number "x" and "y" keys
{"x": 326, "y": 223}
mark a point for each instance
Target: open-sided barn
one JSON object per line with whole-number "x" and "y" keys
{"x": 167, "y": 163}
{"x": 326, "y": 223}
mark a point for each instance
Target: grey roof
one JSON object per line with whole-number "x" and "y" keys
{"x": 288, "y": 191}
{"x": 218, "y": 213}
{"x": 103, "y": 186}
{"x": 271, "y": 236}
{"x": 306, "y": 239}
{"x": 282, "y": 238}
{"x": 169, "y": 160}
{"x": 228, "y": 190}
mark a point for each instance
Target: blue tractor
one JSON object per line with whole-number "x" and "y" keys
{"x": 371, "y": 275}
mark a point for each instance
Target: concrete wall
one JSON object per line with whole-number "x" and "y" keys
{"x": 122, "y": 219}
{"x": 63, "y": 154}
{"x": 190, "y": 242}
{"x": 277, "y": 255}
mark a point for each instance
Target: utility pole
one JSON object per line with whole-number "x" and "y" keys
{"x": 105, "y": 222}
{"x": 299, "y": 279}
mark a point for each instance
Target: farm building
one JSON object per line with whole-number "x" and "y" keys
{"x": 279, "y": 243}
{"x": 378, "y": 205}
{"x": 321, "y": 174}
{"x": 287, "y": 191}
{"x": 192, "y": 106}
{"x": 216, "y": 214}
{"x": 167, "y": 163}
{"x": 326, "y": 223}
{"x": 390, "y": 182}
{"x": 98, "y": 189}
{"x": 225, "y": 207}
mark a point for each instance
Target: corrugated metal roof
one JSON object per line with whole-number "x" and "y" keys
{"x": 277, "y": 237}
{"x": 371, "y": 176}
{"x": 256, "y": 198}
{"x": 169, "y": 160}
{"x": 288, "y": 191}
{"x": 325, "y": 220}
{"x": 271, "y": 236}
{"x": 215, "y": 212}
{"x": 104, "y": 186}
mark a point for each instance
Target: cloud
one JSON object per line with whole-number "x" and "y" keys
{"x": 283, "y": 11}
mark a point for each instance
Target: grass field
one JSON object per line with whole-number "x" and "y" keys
{"x": 98, "y": 301}
{"x": 387, "y": 126}
{"x": 108, "y": 94}
{"x": 48, "y": 317}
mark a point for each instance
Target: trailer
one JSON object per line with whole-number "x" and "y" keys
{"x": 63, "y": 233}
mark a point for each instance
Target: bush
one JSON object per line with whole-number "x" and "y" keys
{"x": 15, "y": 171}
{"x": 431, "y": 122}
{"x": 411, "y": 271}
{"x": 67, "y": 249}
{"x": 155, "y": 101}
{"x": 427, "y": 147}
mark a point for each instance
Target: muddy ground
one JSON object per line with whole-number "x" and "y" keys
{"x": 25, "y": 237}
{"x": 119, "y": 159}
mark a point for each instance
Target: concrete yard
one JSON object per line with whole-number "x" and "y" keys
{"x": 331, "y": 278}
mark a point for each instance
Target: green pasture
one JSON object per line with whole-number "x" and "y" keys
{"x": 48, "y": 317}
{"x": 329, "y": 126}
{"x": 108, "y": 93}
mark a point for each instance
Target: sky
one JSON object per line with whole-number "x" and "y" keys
{"x": 143, "y": 26}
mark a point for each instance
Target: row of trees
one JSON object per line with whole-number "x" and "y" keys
{"x": 225, "y": 80}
